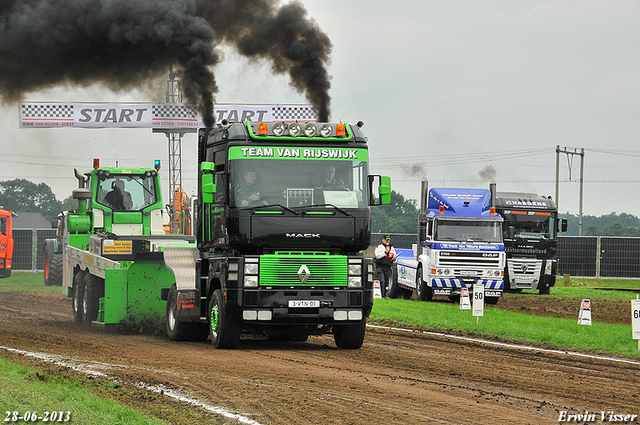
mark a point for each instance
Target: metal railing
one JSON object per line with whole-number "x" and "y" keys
{"x": 28, "y": 254}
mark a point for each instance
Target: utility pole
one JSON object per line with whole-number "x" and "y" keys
{"x": 568, "y": 152}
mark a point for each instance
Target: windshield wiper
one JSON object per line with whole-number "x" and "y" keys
{"x": 275, "y": 205}
{"x": 333, "y": 206}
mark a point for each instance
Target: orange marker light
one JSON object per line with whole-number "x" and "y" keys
{"x": 340, "y": 131}
{"x": 96, "y": 163}
{"x": 492, "y": 210}
{"x": 263, "y": 129}
{"x": 441, "y": 210}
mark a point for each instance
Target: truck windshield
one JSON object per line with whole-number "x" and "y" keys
{"x": 125, "y": 192}
{"x": 468, "y": 231}
{"x": 298, "y": 183}
{"x": 530, "y": 224}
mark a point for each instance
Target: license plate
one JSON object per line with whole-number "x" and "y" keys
{"x": 304, "y": 303}
{"x": 468, "y": 272}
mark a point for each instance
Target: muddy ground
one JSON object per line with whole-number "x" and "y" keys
{"x": 397, "y": 377}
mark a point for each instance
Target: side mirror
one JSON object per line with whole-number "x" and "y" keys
{"x": 379, "y": 190}
{"x": 563, "y": 225}
{"x": 208, "y": 187}
{"x": 511, "y": 231}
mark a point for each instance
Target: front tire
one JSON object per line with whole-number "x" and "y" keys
{"x": 423, "y": 291}
{"x": 93, "y": 291}
{"x": 182, "y": 331}
{"x": 53, "y": 269}
{"x": 224, "y": 326}
{"x": 78, "y": 296}
{"x": 350, "y": 337}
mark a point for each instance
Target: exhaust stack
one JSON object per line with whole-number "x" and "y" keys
{"x": 424, "y": 197}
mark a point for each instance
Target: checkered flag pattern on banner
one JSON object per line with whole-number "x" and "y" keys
{"x": 174, "y": 111}
{"x": 293, "y": 113}
{"x": 46, "y": 110}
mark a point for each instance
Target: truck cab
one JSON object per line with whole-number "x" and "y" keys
{"x": 459, "y": 244}
{"x": 282, "y": 222}
{"x": 530, "y": 237}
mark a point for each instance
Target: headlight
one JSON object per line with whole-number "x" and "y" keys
{"x": 355, "y": 282}
{"x": 447, "y": 272}
{"x": 355, "y": 269}
{"x": 251, "y": 281}
{"x": 547, "y": 267}
{"x": 325, "y": 130}
{"x": 295, "y": 129}
{"x": 278, "y": 128}
{"x": 310, "y": 129}
{"x": 250, "y": 268}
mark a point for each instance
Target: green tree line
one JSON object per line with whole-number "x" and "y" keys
{"x": 606, "y": 225}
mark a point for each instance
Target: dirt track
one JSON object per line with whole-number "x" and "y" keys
{"x": 396, "y": 378}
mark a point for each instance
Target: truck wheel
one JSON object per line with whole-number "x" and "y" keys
{"x": 545, "y": 287}
{"x": 78, "y": 296}
{"x": 392, "y": 293}
{"x": 182, "y": 331}
{"x": 93, "y": 291}
{"x": 225, "y": 328}
{"x": 47, "y": 265}
{"x": 350, "y": 337}
{"x": 55, "y": 270}
{"x": 423, "y": 291}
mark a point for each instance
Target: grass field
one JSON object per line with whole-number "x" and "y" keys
{"x": 26, "y": 281}
{"x": 551, "y": 332}
{"x": 38, "y": 397}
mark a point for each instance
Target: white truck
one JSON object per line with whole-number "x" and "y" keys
{"x": 459, "y": 244}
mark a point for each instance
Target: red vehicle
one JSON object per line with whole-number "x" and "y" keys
{"x": 6, "y": 242}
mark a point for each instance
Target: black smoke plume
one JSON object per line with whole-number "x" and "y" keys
{"x": 123, "y": 44}
{"x": 488, "y": 173}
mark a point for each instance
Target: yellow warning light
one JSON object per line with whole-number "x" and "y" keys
{"x": 340, "y": 131}
{"x": 263, "y": 129}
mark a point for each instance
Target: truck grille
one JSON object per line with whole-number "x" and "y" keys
{"x": 524, "y": 267}
{"x": 303, "y": 269}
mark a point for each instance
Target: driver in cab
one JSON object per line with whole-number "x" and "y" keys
{"x": 328, "y": 179}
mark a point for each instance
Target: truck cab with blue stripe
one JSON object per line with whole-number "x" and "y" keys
{"x": 459, "y": 244}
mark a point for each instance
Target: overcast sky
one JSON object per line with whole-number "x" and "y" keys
{"x": 460, "y": 93}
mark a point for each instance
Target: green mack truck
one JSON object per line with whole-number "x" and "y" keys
{"x": 283, "y": 220}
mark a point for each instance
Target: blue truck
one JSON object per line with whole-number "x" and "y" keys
{"x": 459, "y": 244}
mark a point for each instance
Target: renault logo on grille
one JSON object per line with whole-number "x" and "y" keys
{"x": 303, "y": 273}
{"x": 524, "y": 268}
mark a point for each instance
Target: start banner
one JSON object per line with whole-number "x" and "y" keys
{"x": 150, "y": 115}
